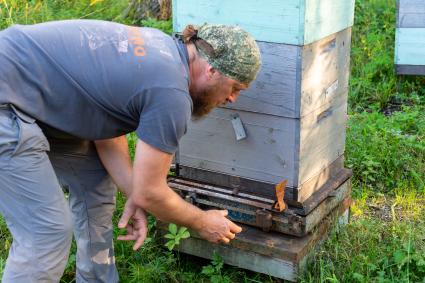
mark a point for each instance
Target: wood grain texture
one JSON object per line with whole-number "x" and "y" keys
{"x": 276, "y": 148}
{"x": 277, "y": 87}
{"x": 325, "y": 71}
{"x": 411, "y": 14}
{"x": 322, "y": 139}
{"x": 296, "y": 80}
{"x": 315, "y": 190}
{"x": 276, "y": 267}
{"x": 325, "y": 207}
{"x": 409, "y": 48}
{"x": 267, "y": 154}
{"x": 295, "y": 22}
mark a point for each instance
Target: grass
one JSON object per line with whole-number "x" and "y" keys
{"x": 385, "y": 241}
{"x": 373, "y": 83}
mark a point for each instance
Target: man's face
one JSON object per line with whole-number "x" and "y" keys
{"x": 217, "y": 91}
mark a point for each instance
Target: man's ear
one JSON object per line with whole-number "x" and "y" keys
{"x": 210, "y": 71}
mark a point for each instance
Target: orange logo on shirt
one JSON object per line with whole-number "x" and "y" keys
{"x": 136, "y": 39}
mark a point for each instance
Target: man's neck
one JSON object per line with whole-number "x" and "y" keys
{"x": 194, "y": 70}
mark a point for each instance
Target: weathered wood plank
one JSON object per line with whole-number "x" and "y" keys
{"x": 409, "y": 48}
{"x": 325, "y": 71}
{"x": 267, "y": 154}
{"x": 322, "y": 139}
{"x": 324, "y": 208}
{"x": 305, "y": 191}
{"x": 276, "y": 89}
{"x": 296, "y": 80}
{"x": 334, "y": 179}
{"x": 295, "y": 22}
{"x": 276, "y": 267}
{"x": 411, "y": 14}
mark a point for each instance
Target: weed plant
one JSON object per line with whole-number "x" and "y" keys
{"x": 385, "y": 241}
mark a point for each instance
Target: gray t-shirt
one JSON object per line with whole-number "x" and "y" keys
{"x": 96, "y": 79}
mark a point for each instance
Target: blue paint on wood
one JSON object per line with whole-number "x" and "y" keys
{"x": 241, "y": 217}
{"x": 325, "y": 17}
{"x": 410, "y": 43}
{"x": 296, "y": 22}
{"x": 411, "y": 14}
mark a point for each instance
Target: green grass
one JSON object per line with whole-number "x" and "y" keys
{"x": 385, "y": 241}
{"x": 373, "y": 83}
{"x": 387, "y": 153}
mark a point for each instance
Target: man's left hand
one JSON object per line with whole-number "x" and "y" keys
{"x": 136, "y": 230}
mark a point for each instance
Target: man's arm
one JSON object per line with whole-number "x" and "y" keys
{"x": 116, "y": 159}
{"x": 150, "y": 191}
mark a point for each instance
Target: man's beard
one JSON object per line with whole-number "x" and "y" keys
{"x": 204, "y": 103}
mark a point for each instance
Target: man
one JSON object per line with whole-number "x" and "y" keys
{"x": 66, "y": 84}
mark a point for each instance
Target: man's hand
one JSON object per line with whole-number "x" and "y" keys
{"x": 137, "y": 230}
{"x": 215, "y": 227}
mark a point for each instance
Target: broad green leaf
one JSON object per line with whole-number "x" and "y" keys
{"x": 185, "y": 235}
{"x": 170, "y": 245}
{"x": 182, "y": 230}
{"x": 172, "y": 228}
{"x": 169, "y": 236}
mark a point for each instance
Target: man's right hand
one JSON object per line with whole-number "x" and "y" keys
{"x": 215, "y": 227}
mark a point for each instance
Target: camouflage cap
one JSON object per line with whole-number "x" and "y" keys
{"x": 235, "y": 52}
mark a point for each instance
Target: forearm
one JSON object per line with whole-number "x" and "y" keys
{"x": 168, "y": 206}
{"x": 151, "y": 191}
{"x": 116, "y": 159}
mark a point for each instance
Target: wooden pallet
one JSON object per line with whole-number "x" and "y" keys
{"x": 272, "y": 253}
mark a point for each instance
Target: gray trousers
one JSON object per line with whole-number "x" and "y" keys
{"x": 38, "y": 215}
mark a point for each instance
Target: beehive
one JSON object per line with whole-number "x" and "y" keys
{"x": 289, "y": 125}
{"x": 294, "y": 114}
{"x": 410, "y": 37}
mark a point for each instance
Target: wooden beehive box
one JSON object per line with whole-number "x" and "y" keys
{"x": 294, "y": 114}
{"x": 410, "y": 37}
{"x": 297, "y": 22}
